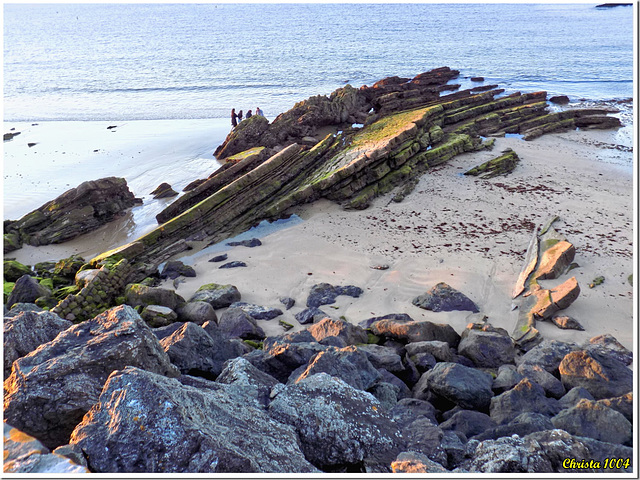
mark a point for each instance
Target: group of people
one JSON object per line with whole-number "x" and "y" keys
{"x": 236, "y": 118}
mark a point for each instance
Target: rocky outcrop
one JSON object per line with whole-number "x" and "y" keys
{"x": 163, "y": 190}
{"x": 218, "y": 296}
{"x": 409, "y": 127}
{"x": 147, "y": 423}
{"x": 502, "y": 165}
{"x": 548, "y": 257}
{"x": 75, "y": 212}
{"x": 50, "y": 389}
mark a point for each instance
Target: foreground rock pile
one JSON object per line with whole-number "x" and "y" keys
{"x": 112, "y": 394}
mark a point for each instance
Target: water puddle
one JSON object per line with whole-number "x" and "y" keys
{"x": 514, "y": 135}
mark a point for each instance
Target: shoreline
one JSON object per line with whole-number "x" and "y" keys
{"x": 425, "y": 242}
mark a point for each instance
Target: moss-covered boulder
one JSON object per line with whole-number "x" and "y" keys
{"x": 68, "y": 267}
{"x": 13, "y": 270}
{"x": 502, "y": 165}
{"x": 12, "y": 241}
{"x": 136, "y": 294}
{"x": 26, "y": 290}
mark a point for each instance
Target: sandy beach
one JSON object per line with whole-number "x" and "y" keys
{"x": 465, "y": 231}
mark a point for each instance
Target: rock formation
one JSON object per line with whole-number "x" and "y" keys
{"x": 77, "y": 211}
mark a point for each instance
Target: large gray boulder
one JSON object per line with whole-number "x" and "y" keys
{"x": 508, "y": 455}
{"x": 466, "y": 387}
{"x": 348, "y": 364}
{"x": 440, "y": 350}
{"x": 609, "y": 346}
{"x": 622, "y": 404}
{"x": 147, "y": 423}
{"x": 603, "y": 376}
{"x": 590, "y": 419}
{"x": 523, "y": 424}
{"x": 218, "y": 296}
{"x": 414, "y": 462}
{"x": 526, "y": 396}
{"x": 239, "y": 371}
{"x": 487, "y": 348}
{"x": 383, "y": 357}
{"x": 337, "y": 424}
{"x": 325, "y": 294}
{"x": 424, "y": 437}
{"x": 51, "y": 388}
{"x": 26, "y": 331}
{"x": 257, "y": 312}
{"x": 195, "y": 352}
{"x": 507, "y": 378}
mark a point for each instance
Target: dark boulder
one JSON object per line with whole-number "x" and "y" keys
{"x": 147, "y": 423}
{"x": 348, "y": 364}
{"x": 507, "y": 455}
{"x": 573, "y": 396}
{"x": 526, "y": 396}
{"x": 256, "y": 311}
{"x": 136, "y": 294}
{"x": 469, "y": 423}
{"x": 443, "y": 298}
{"x": 196, "y": 312}
{"x": 566, "y": 322}
{"x": 325, "y": 294}
{"x": 218, "y": 296}
{"x": 593, "y": 420}
{"x": 424, "y": 437}
{"x": 440, "y": 350}
{"x": 163, "y": 190}
{"x": 407, "y": 331}
{"x": 327, "y": 327}
{"x": 26, "y": 331}
{"x": 602, "y": 376}
{"x": 197, "y": 353}
{"x": 383, "y": 357}
{"x": 75, "y": 212}
{"x": 219, "y": 258}
{"x": 408, "y": 410}
{"x": 175, "y": 269}
{"x": 288, "y": 302}
{"x": 240, "y": 372}
{"x": 507, "y": 378}
{"x": 280, "y": 359}
{"x": 27, "y": 290}
{"x": 559, "y": 99}
{"x": 310, "y": 315}
{"x": 552, "y": 386}
{"x": 253, "y": 242}
{"x": 158, "y": 316}
{"x": 402, "y": 317}
{"x": 51, "y": 388}
{"x": 608, "y": 346}
{"x": 622, "y": 404}
{"x": 234, "y": 264}
{"x": 463, "y": 386}
{"x": 235, "y": 322}
{"x": 487, "y": 347}
{"x": 548, "y": 355}
{"x": 337, "y": 424}
{"x": 13, "y": 270}
{"x": 522, "y": 425}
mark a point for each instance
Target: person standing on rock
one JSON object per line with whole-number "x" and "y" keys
{"x": 259, "y": 112}
{"x": 248, "y": 114}
{"x": 234, "y": 118}
{"x": 239, "y": 116}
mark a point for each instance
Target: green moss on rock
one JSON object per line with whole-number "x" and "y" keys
{"x": 13, "y": 270}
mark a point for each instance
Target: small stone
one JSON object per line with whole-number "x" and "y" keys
{"x": 234, "y": 264}
{"x": 254, "y": 242}
{"x": 219, "y": 258}
{"x": 566, "y": 322}
{"x": 288, "y": 302}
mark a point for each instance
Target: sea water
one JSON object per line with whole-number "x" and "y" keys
{"x": 168, "y": 61}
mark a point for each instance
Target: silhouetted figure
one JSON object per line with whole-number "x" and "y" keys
{"x": 239, "y": 116}
{"x": 259, "y": 112}
{"x": 234, "y": 118}
{"x": 248, "y": 114}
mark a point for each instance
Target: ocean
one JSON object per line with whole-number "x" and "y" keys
{"x": 120, "y": 62}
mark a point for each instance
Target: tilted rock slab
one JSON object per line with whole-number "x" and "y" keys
{"x": 148, "y": 423}
{"x": 50, "y": 390}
